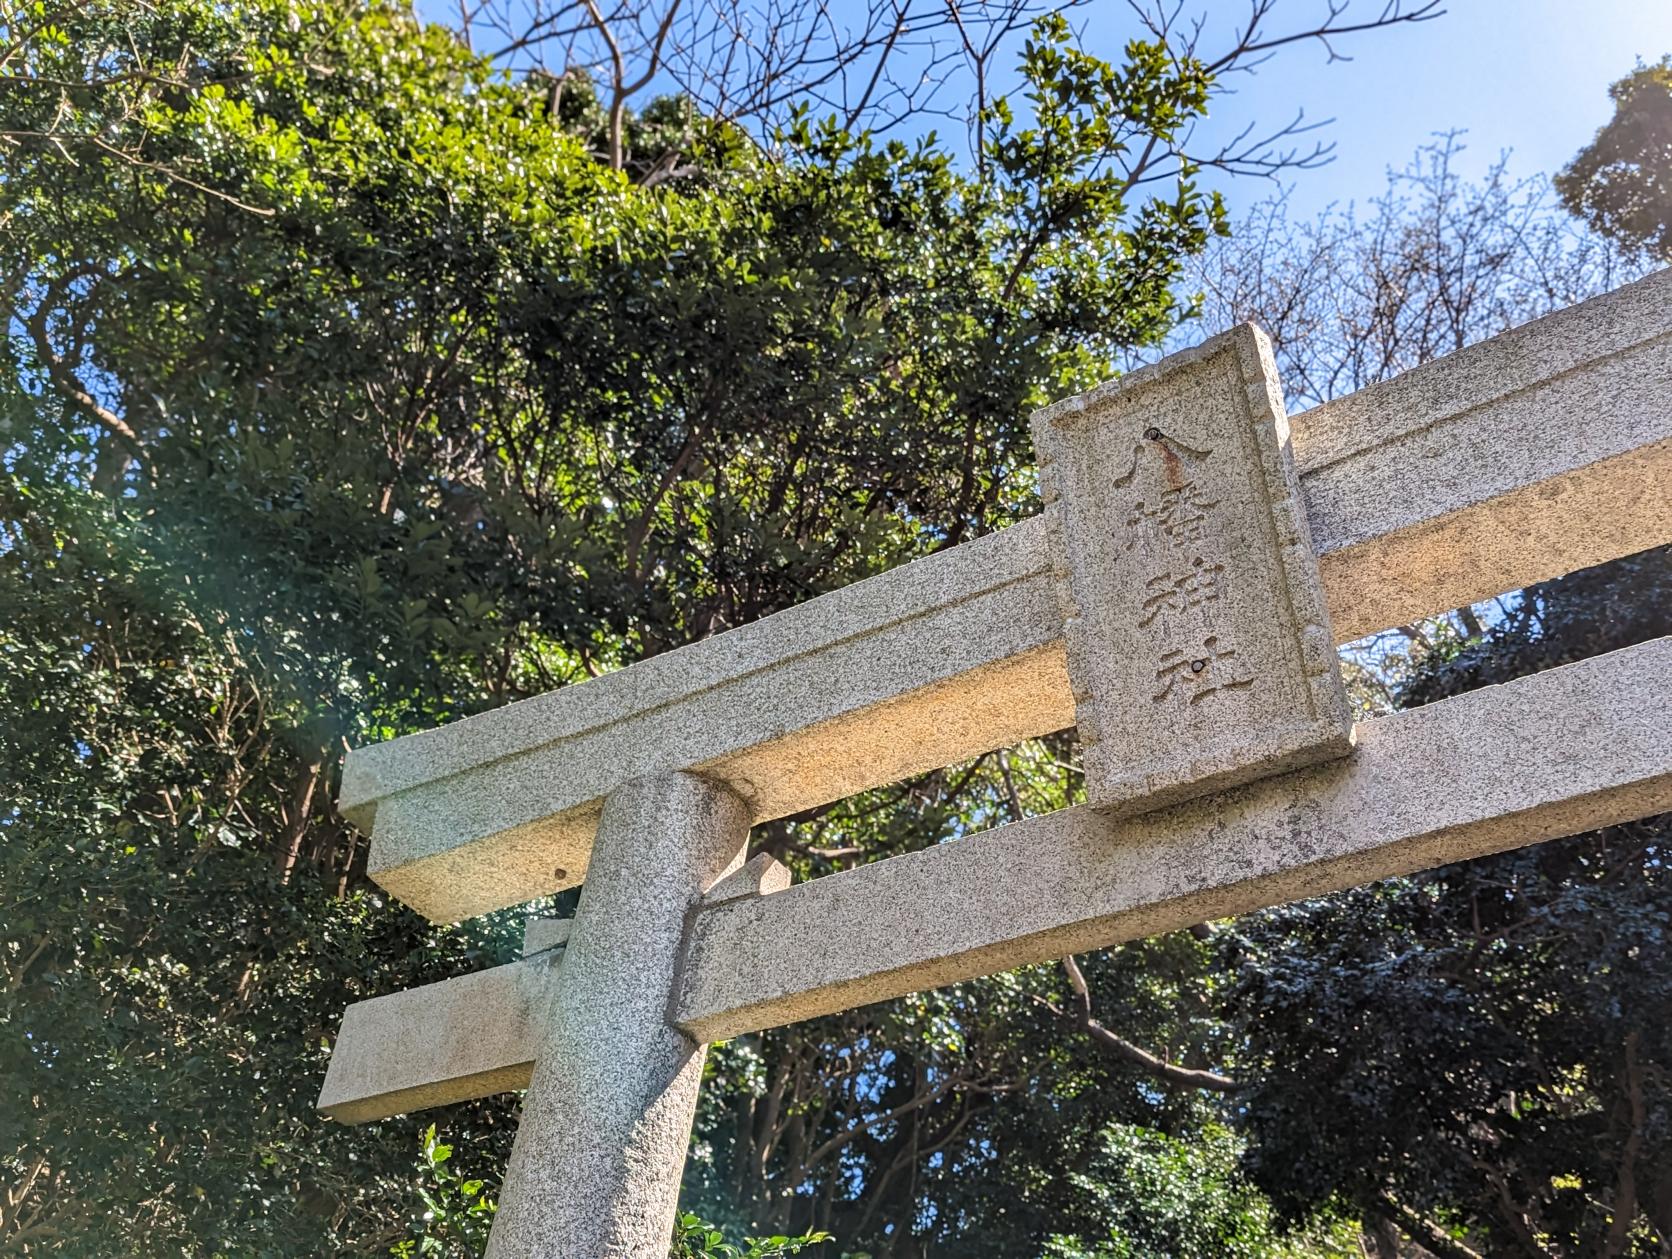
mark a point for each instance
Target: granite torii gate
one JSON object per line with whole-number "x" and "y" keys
{"x": 1179, "y": 601}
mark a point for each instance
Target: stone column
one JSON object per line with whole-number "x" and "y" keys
{"x": 595, "y": 1170}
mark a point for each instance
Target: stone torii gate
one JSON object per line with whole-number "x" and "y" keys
{"x": 1179, "y": 601}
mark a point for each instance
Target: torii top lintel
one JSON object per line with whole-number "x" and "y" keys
{"x": 1538, "y": 452}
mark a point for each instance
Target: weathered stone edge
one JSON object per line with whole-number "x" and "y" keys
{"x": 1245, "y": 353}
{"x": 1548, "y": 755}
{"x": 1555, "y": 753}
{"x": 445, "y": 1042}
{"x": 1568, "y": 494}
{"x": 923, "y": 588}
{"x": 1538, "y": 353}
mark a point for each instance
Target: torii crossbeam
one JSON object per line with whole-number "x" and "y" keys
{"x": 1175, "y": 601}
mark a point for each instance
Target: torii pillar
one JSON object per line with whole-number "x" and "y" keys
{"x": 1169, "y": 603}
{"x": 600, "y": 1147}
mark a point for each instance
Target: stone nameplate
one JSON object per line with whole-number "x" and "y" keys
{"x": 1460, "y": 479}
{"x": 1198, "y": 641}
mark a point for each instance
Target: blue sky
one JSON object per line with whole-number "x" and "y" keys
{"x": 1531, "y": 76}
{"x": 1527, "y": 75}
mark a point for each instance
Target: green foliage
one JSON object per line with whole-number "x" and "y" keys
{"x": 1481, "y": 1043}
{"x": 694, "y": 1238}
{"x": 1145, "y": 1195}
{"x": 457, "y": 1210}
{"x": 1621, "y": 183}
{"x": 346, "y": 394}
{"x": 1466, "y": 1056}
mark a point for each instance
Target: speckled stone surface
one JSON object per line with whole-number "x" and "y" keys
{"x": 595, "y": 1170}
{"x": 1543, "y": 450}
{"x": 1548, "y": 755}
{"x": 1199, "y": 646}
{"x": 919, "y": 667}
{"x": 1538, "y": 452}
{"x": 475, "y": 1035}
{"x": 442, "y": 1043}
{"x": 761, "y": 875}
{"x": 540, "y": 934}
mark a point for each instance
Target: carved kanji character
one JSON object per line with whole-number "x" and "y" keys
{"x": 1180, "y": 514}
{"x": 1199, "y": 674}
{"x": 1167, "y": 593}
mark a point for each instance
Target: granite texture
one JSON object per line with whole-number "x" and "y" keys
{"x": 540, "y": 934}
{"x": 1538, "y": 452}
{"x": 1543, "y": 450}
{"x": 1198, "y": 644}
{"x": 919, "y": 667}
{"x": 595, "y": 1170}
{"x": 441, "y": 1043}
{"x": 1547, "y": 755}
{"x": 761, "y": 875}
{"x": 1498, "y": 768}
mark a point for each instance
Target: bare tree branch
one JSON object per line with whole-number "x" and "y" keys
{"x": 1424, "y": 1231}
{"x": 1168, "y": 1073}
{"x": 37, "y": 323}
{"x": 882, "y": 63}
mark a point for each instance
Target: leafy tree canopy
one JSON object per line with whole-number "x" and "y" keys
{"x": 1621, "y": 183}
{"x": 347, "y": 393}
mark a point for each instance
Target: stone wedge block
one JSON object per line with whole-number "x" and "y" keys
{"x": 540, "y": 934}
{"x": 444, "y": 1042}
{"x": 762, "y": 875}
{"x": 918, "y": 667}
{"x": 1544, "y": 450}
{"x": 1548, "y": 755}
